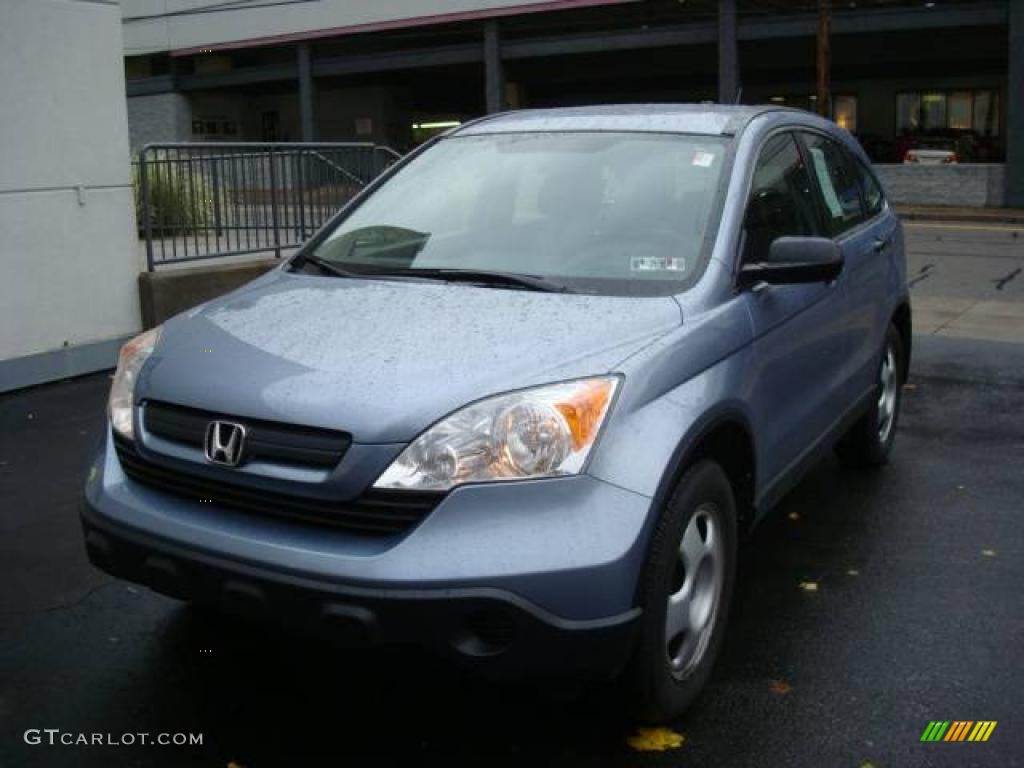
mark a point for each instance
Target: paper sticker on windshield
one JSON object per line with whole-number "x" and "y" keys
{"x": 703, "y": 159}
{"x": 657, "y": 264}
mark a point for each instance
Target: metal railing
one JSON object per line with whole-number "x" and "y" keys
{"x": 202, "y": 201}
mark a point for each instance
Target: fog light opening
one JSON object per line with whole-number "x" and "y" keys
{"x": 486, "y": 633}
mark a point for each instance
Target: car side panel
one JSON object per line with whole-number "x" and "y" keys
{"x": 880, "y": 287}
{"x": 800, "y": 350}
{"x": 674, "y": 389}
{"x": 797, "y": 385}
{"x": 868, "y": 251}
{"x": 713, "y": 368}
{"x": 786, "y": 370}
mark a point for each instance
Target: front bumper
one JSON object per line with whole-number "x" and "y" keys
{"x": 496, "y": 632}
{"x": 534, "y": 577}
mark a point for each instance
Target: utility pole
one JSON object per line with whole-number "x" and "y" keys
{"x": 824, "y": 102}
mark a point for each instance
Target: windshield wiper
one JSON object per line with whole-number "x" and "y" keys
{"x": 487, "y": 277}
{"x": 446, "y": 274}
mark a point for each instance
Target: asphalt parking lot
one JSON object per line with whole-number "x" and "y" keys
{"x": 868, "y": 604}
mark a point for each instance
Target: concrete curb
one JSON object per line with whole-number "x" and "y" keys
{"x": 165, "y": 294}
{"x": 962, "y": 215}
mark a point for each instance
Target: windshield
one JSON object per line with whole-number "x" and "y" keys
{"x": 588, "y": 210}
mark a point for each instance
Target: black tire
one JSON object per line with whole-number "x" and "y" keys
{"x": 865, "y": 445}
{"x": 660, "y": 691}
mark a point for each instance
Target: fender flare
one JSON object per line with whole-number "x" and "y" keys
{"x": 683, "y": 456}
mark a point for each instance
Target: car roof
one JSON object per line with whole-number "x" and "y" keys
{"x": 701, "y": 119}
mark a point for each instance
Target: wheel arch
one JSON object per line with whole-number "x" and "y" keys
{"x": 727, "y": 439}
{"x": 903, "y": 321}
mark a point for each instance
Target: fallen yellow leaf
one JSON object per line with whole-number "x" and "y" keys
{"x": 988, "y": 552}
{"x": 809, "y": 586}
{"x": 793, "y": 515}
{"x": 780, "y": 687}
{"x": 655, "y": 740}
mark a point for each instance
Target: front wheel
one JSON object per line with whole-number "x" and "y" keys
{"x": 685, "y": 593}
{"x": 870, "y": 440}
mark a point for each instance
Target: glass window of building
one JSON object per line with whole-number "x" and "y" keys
{"x": 986, "y": 113}
{"x": 966, "y": 110}
{"x": 960, "y": 110}
{"x": 933, "y": 111}
{"x": 844, "y": 111}
{"x": 908, "y": 112}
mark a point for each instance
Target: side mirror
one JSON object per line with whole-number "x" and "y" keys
{"x": 796, "y": 260}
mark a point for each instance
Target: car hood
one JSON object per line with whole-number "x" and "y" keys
{"x": 384, "y": 359}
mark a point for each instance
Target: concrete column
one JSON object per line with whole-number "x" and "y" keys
{"x": 1015, "y": 109}
{"x": 307, "y": 94}
{"x": 494, "y": 74}
{"x": 728, "y": 55}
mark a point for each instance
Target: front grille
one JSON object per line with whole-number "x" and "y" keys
{"x": 268, "y": 440}
{"x": 374, "y": 513}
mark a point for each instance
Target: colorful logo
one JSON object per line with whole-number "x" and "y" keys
{"x": 958, "y": 730}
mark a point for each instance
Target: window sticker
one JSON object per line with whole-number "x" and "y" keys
{"x": 702, "y": 159}
{"x": 657, "y": 264}
{"x": 828, "y": 191}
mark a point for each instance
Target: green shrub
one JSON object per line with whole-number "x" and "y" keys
{"x": 179, "y": 203}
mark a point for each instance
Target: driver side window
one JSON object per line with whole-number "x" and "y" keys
{"x": 781, "y": 199}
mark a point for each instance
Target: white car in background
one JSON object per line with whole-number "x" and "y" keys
{"x": 932, "y": 152}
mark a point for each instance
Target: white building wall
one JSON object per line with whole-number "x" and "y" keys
{"x": 67, "y": 251}
{"x": 161, "y": 25}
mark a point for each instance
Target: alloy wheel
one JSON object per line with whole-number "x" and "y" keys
{"x": 888, "y": 381}
{"x": 696, "y": 591}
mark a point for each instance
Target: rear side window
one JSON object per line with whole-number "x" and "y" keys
{"x": 781, "y": 199}
{"x": 840, "y": 192}
{"x": 874, "y": 200}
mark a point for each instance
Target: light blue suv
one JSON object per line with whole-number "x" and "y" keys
{"x": 520, "y": 399}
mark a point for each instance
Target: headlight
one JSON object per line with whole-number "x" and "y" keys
{"x": 133, "y": 355}
{"x": 542, "y": 432}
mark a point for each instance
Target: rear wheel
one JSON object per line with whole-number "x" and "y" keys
{"x": 870, "y": 440}
{"x": 685, "y": 594}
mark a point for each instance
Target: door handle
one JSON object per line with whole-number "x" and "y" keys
{"x": 881, "y": 243}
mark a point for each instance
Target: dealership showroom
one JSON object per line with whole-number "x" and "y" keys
{"x": 507, "y": 382}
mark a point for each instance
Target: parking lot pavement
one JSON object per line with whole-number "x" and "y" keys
{"x": 968, "y": 279}
{"x": 868, "y": 605}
